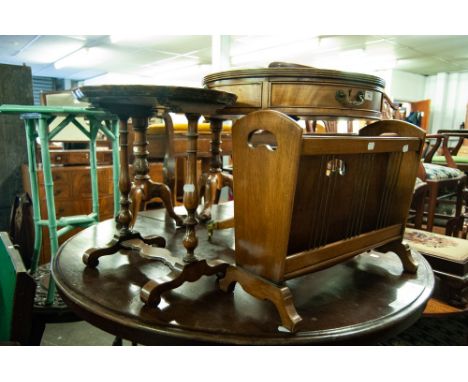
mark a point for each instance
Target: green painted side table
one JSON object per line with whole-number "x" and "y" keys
{"x": 37, "y": 120}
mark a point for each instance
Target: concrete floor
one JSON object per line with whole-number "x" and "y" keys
{"x": 78, "y": 333}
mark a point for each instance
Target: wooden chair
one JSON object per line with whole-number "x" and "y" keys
{"x": 450, "y": 155}
{"x": 311, "y": 201}
{"x": 446, "y": 183}
{"x": 416, "y": 213}
{"x": 17, "y": 289}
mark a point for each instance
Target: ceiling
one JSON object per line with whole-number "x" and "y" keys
{"x": 187, "y": 58}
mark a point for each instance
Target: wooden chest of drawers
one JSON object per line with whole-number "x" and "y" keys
{"x": 72, "y": 194}
{"x": 78, "y": 157}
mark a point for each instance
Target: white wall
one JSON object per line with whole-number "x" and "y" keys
{"x": 405, "y": 86}
{"x": 448, "y": 93}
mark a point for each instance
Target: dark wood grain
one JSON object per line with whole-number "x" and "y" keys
{"x": 139, "y": 99}
{"x": 363, "y": 300}
{"x": 307, "y": 202}
{"x": 302, "y": 92}
{"x": 140, "y": 103}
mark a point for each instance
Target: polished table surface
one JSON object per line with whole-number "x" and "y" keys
{"x": 364, "y": 300}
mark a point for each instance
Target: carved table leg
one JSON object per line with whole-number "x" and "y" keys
{"x": 144, "y": 189}
{"x": 404, "y": 253}
{"x": 190, "y": 268}
{"x": 190, "y": 189}
{"x": 124, "y": 218}
{"x": 263, "y": 289}
{"x": 214, "y": 181}
{"x": 182, "y": 272}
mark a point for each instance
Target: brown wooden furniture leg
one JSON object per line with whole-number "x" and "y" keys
{"x": 454, "y": 288}
{"x": 91, "y": 256}
{"x": 212, "y": 226}
{"x": 216, "y": 179}
{"x": 263, "y": 289}
{"x": 182, "y": 272}
{"x": 404, "y": 253}
{"x": 144, "y": 189}
{"x": 431, "y": 208}
{"x": 190, "y": 240}
{"x": 221, "y": 224}
{"x": 190, "y": 268}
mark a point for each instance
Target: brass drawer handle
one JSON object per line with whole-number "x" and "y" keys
{"x": 346, "y": 100}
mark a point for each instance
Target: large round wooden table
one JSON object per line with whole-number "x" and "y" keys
{"x": 364, "y": 300}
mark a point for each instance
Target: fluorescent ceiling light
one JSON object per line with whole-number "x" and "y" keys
{"x": 50, "y": 53}
{"x": 278, "y": 53}
{"x": 249, "y": 44}
{"x": 85, "y": 57}
{"x": 188, "y": 76}
{"x": 357, "y": 60}
{"x": 133, "y": 38}
{"x": 119, "y": 79}
{"x": 169, "y": 65}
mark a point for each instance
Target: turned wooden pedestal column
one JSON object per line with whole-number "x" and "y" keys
{"x": 144, "y": 189}
{"x": 124, "y": 218}
{"x": 216, "y": 178}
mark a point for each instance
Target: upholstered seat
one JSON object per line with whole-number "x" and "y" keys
{"x": 446, "y": 183}
{"x": 437, "y": 172}
{"x": 445, "y": 193}
{"x": 448, "y": 257}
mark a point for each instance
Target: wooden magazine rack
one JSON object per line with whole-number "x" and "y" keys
{"x": 307, "y": 202}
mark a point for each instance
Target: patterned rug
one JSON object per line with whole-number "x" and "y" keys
{"x": 434, "y": 331}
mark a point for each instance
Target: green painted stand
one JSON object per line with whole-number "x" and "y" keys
{"x": 36, "y": 121}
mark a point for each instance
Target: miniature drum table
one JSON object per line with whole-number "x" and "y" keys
{"x": 364, "y": 300}
{"x": 301, "y": 92}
